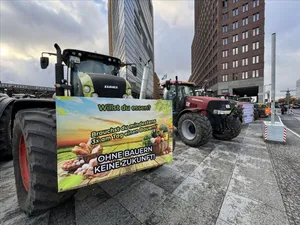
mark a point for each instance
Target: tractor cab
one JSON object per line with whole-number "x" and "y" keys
{"x": 89, "y": 74}
{"x": 228, "y": 96}
{"x": 245, "y": 99}
{"x": 185, "y": 89}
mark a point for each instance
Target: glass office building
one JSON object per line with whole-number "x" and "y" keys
{"x": 131, "y": 39}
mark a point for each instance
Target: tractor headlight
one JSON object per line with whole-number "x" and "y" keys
{"x": 86, "y": 89}
{"x": 94, "y": 95}
{"x": 221, "y": 112}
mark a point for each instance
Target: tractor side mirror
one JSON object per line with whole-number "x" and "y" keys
{"x": 133, "y": 70}
{"x": 44, "y": 61}
{"x": 168, "y": 85}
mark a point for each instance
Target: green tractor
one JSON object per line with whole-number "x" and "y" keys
{"x": 28, "y": 126}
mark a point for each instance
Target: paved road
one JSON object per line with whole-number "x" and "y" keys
{"x": 286, "y": 162}
{"x": 292, "y": 122}
{"x": 296, "y": 112}
{"x": 220, "y": 183}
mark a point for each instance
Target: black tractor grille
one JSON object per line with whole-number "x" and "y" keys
{"x": 108, "y": 86}
{"x": 216, "y": 104}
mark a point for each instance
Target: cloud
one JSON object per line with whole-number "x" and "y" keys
{"x": 173, "y": 34}
{"x": 287, "y": 31}
{"x": 31, "y": 27}
{"x": 177, "y": 14}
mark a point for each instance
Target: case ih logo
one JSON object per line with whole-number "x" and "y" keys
{"x": 111, "y": 87}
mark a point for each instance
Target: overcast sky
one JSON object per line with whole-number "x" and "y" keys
{"x": 30, "y": 27}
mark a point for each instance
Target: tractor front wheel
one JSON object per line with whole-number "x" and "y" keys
{"x": 234, "y": 127}
{"x": 194, "y": 129}
{"x": 35, "y": 161}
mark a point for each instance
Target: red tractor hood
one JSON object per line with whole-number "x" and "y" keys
{"x": 204, "y": 98}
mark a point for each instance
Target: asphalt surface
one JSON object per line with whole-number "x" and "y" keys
{"x": 292, "y": 121}
{"x": 244, "y": 181}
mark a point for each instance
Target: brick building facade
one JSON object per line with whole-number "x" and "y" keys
{"x": 228, "y": 46}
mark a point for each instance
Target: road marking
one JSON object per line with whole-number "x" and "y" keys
{"x": 289, "y": 128}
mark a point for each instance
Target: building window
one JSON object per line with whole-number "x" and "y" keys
{"x": 245, "y": 62}
{"x": 244, "y": 75}
{"x": 256, "y": 31}
{"x": 235, "y": 25}
{"x": 255, "y": 3}
{"x": 255, "y": 59}
{"x": 225, "y": 28}
{"x": 235, "y": 38}
{"x": 225, "y": 16}
{"x": 245, "y": 21}
{"x": 255, "y": 73}
{"x": 245, "y": 7}
{"x": 255, "y": 45}
{"x": 224, "y": 78}
{"x": 255, "y": 17}
{"x": 225, "y": 66}
{"x": 235, "y": 12}
{"x": 245, "y": 48}
{"x": 225, "y": 3}
{"x": 245, "y": 35}
{"x": 235, "y": 64}
{"x": 225, "y": 41}
{"x": 235, "y": 1}
{"x": 235, "y": 76}
{"x": 225, "y": 53}
{"x": 235, "y": 51}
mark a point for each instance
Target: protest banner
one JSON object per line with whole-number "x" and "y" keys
{"x": 103, "y": 138}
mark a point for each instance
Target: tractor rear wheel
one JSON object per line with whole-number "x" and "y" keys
{"x": 194, "y": 129}
{"x": 5, "y": 137}
{"x": 234, "y": 129}
{"x": 35, "y": 160}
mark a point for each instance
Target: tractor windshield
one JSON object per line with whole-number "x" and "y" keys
{"x": 183, "y": 91}
{"x": 228, "y": 97}
{"x": 95, "y": 66}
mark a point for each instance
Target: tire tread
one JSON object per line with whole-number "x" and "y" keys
{"x": 38, "y": 126}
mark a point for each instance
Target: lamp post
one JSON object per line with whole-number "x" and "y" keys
{"x": 265, "y": 91}
{"x": 273, "y": 77}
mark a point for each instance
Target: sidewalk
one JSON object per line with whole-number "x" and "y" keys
{"x": 223, "y": 183}
{"x": 253, "y": 196}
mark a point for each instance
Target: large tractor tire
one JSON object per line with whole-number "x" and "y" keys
{"x": 5, "y": 137}
{"x": 194, "y": 129}
{"x": 35, "y": 161}
{"x": 234, "y": 129}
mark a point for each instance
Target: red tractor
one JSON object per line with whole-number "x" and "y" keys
{"x": 198, "y": 118}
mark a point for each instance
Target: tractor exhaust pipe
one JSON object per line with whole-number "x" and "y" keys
{"x": 176, "y": 92}
{"x": 59, "y": 71}
{"x": 144, "y": 80}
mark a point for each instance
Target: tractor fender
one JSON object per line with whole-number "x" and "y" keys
{"x": 32, "y": 103}
{"x": 186, "y": 111}
{"x": 28, "y": 103}
{"x": 4, "y": 102}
